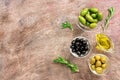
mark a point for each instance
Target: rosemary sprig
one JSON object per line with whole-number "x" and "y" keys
{"x": 110, "y": 15}
{"x": 61, "y": 60}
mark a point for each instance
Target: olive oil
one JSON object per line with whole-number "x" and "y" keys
{"x": 103, "y": 42}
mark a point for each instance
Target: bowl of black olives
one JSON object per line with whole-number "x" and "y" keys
{"x": 80, "y": 47}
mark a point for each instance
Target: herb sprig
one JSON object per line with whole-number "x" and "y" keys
{"x": 67, "y": 24}
{"x": 61, "y": 60}
{"x": 110, "y": 15}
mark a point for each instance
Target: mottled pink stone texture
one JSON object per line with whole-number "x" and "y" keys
{"x": 31, "y": 37}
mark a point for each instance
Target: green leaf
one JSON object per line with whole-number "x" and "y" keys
{"x": 67, "y": 25}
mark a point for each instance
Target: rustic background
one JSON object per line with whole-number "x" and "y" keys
{"x": 31, "y": 37}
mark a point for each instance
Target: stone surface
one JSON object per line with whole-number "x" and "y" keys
{"x": 31, "y": 37}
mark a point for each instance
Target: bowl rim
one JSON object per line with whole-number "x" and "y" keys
{"x": 94, "y": 72}
{"x": 75, "y": 55}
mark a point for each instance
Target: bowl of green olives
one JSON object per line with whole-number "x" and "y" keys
{"x": 99, "y": 64}
{"x": 89, "y": 18}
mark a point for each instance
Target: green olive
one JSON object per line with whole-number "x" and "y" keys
{"x": 99, "y": 16}
{"x": 98, "y": 64}
{"x": 104, "y": 66}
{"x": 97, "y": 57}
{"x": 99, "y": 70}
{"x": 82, "y": 20}
{"x": 84, "y": 12}
{"x": 92, "y": 61}
{"x": 103, "y": 59}
{"x": 94, "y": 15}
{"x": 89, "y": 18}
{"x": 88, "y": 12}
{"x": 93, "y": 25}
{"x": 94, "y": 10}
{"x": 87, "y": 23}
{"x": 93, "y": 67}
{"x": 95, "y": 20}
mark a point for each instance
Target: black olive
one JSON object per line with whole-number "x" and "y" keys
{"x": 81, "y": 48}
{"x": 73, "y": 50}
{"x": 80, "y": 44}
{"x": 77, "y": 39}
{"x": 78, "y": 53}
{"x": 77, "y": 43}
{"x": 84, "y": 43}
{"x": 83, "y": 52}
{"x": 72, "y": 46}
{"x": 86, "y": 48}
{"x": 77, "y": 49}
{"x": 73, "y": 42}
{"x": 81, "y": 40}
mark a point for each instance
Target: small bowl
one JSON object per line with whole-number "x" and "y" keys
{"x": 89, "y": 48}
{"x": 104, "y": 71}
